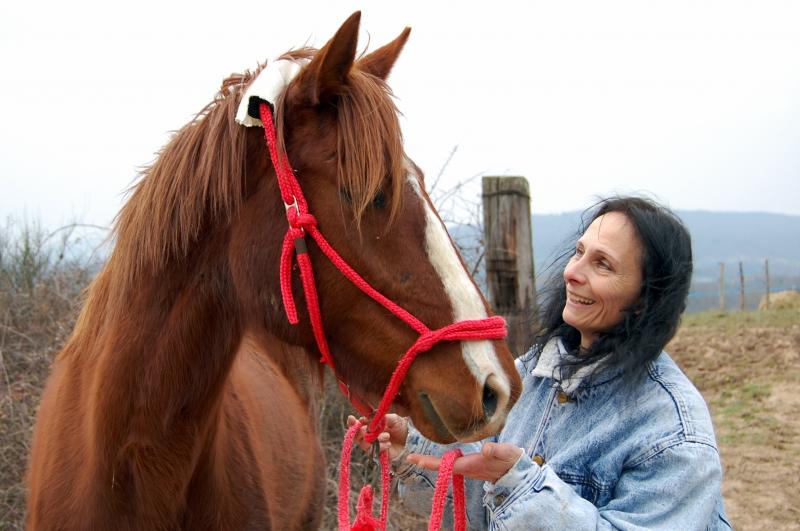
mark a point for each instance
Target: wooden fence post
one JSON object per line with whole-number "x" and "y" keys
{"x": 509, "y": 256}
{"x": 766, "y": 274}
{"x": 741, "y": 287}
{"x": 722, "y": 286}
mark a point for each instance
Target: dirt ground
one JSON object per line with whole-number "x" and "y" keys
{"x": 746, "y": 366}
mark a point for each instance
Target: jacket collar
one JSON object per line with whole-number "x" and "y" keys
{"x": 554, "y": 354}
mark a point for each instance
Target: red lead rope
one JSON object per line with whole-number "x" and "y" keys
{"x": 302, "y": 223}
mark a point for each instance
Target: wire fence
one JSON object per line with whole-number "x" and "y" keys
{"x": 740, "y": 286}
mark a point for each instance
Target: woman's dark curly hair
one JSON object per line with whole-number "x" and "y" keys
{"x": 653, "y": 319}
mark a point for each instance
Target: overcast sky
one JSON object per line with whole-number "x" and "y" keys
{"x": 697, "y": 103}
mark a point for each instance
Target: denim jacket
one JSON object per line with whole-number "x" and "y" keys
{"x": 594, "y": 458}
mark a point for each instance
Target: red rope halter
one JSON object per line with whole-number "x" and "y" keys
{"x": 302, "y": 223}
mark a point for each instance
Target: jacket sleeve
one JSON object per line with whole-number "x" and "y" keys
{"x": 675, "y": 487}
{"x": 416, "y": 485}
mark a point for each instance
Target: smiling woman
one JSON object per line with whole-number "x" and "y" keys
{"x": 623, "y": 288}
{"x": 603, "y": 276}
{"x": 608, "y": 432}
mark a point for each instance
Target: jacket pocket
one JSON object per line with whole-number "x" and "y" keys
{"x": 585, "y": 487}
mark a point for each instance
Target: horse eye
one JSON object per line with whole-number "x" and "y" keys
{"x": 379, "y": 201}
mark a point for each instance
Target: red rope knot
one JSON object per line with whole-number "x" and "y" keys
{"x": 294, "y": 243}
{"x": 373, "y": 431}
{"x": 300, "y": 222}
{"x": 365, "y": 521}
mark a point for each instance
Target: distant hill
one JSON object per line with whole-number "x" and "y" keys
{"x": 717, "y": 237}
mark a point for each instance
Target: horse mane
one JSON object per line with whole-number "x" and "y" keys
{"x": 197, "y": 180}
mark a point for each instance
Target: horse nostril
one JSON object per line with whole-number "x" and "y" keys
{"x": 489, "y": 400}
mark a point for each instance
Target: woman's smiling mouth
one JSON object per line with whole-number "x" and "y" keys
{"x": 571, "y": 297}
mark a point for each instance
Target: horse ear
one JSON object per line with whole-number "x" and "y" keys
{"x": 327, "y": 73}
{"x": 380, "y": 62}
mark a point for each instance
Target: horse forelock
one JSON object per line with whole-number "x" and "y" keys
{"x": 370, "y": 151}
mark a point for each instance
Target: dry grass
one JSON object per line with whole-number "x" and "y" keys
{"x": 40, "y": 290}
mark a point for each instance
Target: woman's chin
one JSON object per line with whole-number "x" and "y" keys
{"x": 570, "y": 317}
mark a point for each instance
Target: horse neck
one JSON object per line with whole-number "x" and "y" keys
{"x": 161, "y": 347}
{"x": 172, "y": 324}
{"x": 299, "y": 367}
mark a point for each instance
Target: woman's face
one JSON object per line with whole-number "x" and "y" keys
{"x": 603, "y": 277}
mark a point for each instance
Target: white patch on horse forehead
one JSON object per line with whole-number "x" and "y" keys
{"x": 465, "y": 299}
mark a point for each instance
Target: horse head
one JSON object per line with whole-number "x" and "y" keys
{"x": 338, "y": 125}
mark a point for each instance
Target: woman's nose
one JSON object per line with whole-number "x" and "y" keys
{"x": 574, "y": 272}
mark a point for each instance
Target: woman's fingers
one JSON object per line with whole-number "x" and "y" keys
{"x": 470, "y": 465}
{"x": 397, "y": 426}
{"x": 431, "y": 462}
{"x": 359, "y": 437}
{"x": 392, "y": 440}
{"x": 493, "y": 461}
{"x": 384, "y": 441}
{"x": 502, "y": 453}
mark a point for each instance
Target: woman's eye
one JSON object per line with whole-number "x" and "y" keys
{"x": 604, "y": 265}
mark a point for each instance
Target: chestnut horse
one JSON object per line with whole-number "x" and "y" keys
{"x": 184, "y": 399}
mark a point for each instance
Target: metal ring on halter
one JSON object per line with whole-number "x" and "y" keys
{"x": 372, "y": 464}
{"x": 293, "y": 205}
{"x": 296, "y": 207}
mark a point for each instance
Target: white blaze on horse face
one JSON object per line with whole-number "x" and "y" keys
{"x": 480, "y": 356}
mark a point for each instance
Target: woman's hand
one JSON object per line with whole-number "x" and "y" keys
{"x": 493, "y": 461}
{"x": 393, "y": 439}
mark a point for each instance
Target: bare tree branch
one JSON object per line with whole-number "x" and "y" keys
{"x": 73, "y": 226}
{"x": 476, "y": 267}
{"x": 443, "y": 168}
